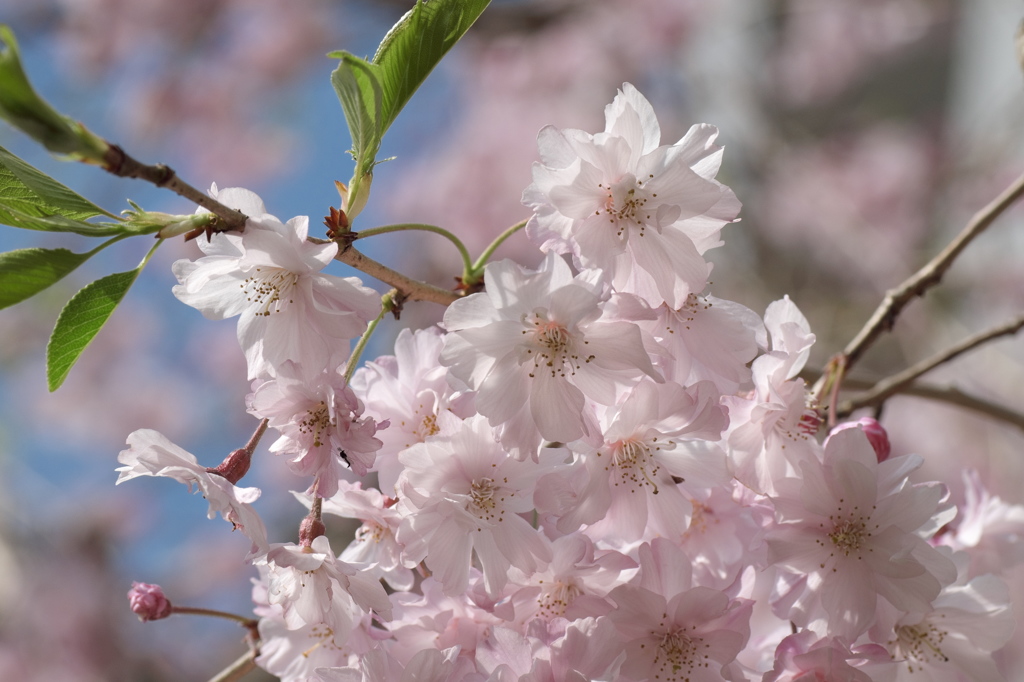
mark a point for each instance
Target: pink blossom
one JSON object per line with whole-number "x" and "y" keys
{"x": 305, "y": 581}
{"x": 409, "y": 389}
{"x": 804, "y": 657}
{"x": 656, "y": 437}
{"x": 270, "y": 277}
{"x": 534, "y": 347}
{"x": 851, "y": 525}
{"x": 464, "y": 494}
{"x": 149, "y": 453}
{"x": 643, "y": 214}
{"x": 321, "y": 424}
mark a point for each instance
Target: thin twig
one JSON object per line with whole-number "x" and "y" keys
{"x": 241, "y": 667}
{"x": 893, "y": 384}
{"x": 941, "y": 394}
{"x": 410, "y": 289}
{"x": 122, "y": 165}
{"x": 928, "y": 276}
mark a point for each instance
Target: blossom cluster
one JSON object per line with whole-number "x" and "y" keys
{"x": 593, "y": 470}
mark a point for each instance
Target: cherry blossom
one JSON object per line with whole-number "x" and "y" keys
{"x": 654, "y": 439}
{"x": 410, "y": 389}
{"x": 374, "y": 545}
{"x": 850, "y": 525}
{"x": 641, "y": 213}
{"x": 150, "y": 453}
{"x": 534, "y": 348}
{"x": 321, "y": 424}
{"x": 803, "y": 656}
{"x": 270, "y": 276}
{"x": 303, "y": 582}
{"x": 463, "y": 493}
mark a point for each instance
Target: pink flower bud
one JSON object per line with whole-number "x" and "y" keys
{"x": 148, "y": 602}
{"x": 876, "y": 433}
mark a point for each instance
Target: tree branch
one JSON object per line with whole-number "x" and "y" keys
{"x": 942, "y": 394}
{"x": 894, "y": 384}
{"x": 410, "y": 289}
{"x": 119, "y": 163}
{"x": 928, "y": 276}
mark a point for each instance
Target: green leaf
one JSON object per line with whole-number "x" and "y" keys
{"x": 359, "y": 90}
{"x": 416, "y": 44}
{"x": 26, "y": 272}
{"x": 35, "y": 193}
{"x": 83, "y": 317}
{"x": 373, "y": 93}
{"x": 58, "y": 223}
{"x": 24, "y": 109}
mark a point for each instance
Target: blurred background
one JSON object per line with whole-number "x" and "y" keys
{"x": 860, "y": 136}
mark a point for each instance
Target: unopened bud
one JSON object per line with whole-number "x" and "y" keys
{"x": 876, "y": 433}
{"x": 234, "y": 466}
{"x": 148, "y": 602}
{"x": 354, "y": 195}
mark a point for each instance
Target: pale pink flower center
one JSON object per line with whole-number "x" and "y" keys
{"x": 552, "y": 348}
{"x": 269, "y": 289}
{"x": 850, "y": 533}
{"x": 625, "y": 204}
{"x": 633, "y": 465}
{"x": 316, "y": 422}
{"x": 556, "y": 597}
{"x": 919, "y": 644}
{"x": 373, "y": 532}
{"x": 685, "y": 315}
{"x": 428, "y": 426}
{"x": 485, "y": 500}
{"x": 699, "y": 519}
{"x": 678, "y": 655}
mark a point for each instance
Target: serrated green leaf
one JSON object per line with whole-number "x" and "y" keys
{"x": 358, "y": 88}
{"x": 35, "y": 193}
{"x": 57, "y": 223}
{"x": 373, "y": 93}
{"x": 26, "y": 272}
{"x": 83, "y": 317}
{"x": 416, "y": 44}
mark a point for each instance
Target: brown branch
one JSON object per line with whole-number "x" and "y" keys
{"x": 410, "y": 289}
{"x": 941, "y": 394}
{"x": 928, "y": 276}
{"x": 895, "y": 383}
{"x": 119, "y": 163}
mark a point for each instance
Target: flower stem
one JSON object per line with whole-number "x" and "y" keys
{"x": 196, "y": 611}
{"x": 387, "y": 304}
{"x": 474, "y": 272}
{"x": 410, "y": 289}
{"x": 467, "y": 264}
{"x": 245, "y": 664}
